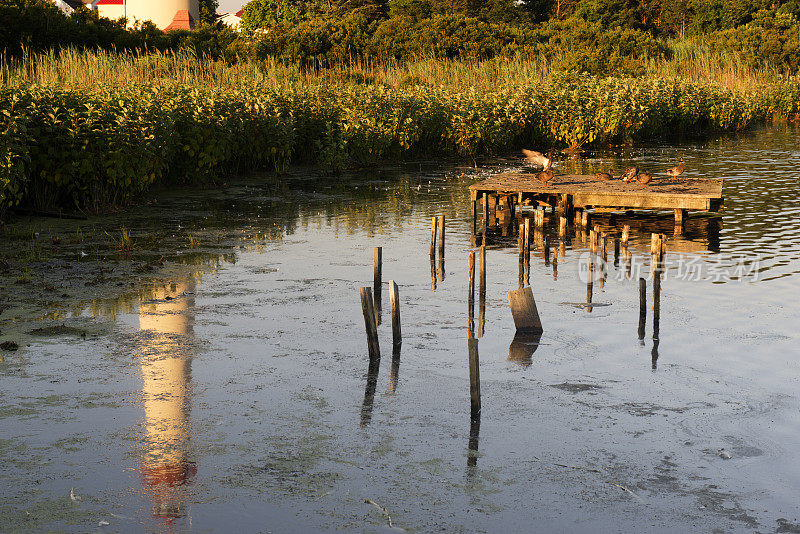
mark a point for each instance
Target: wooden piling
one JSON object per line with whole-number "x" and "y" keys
{"x": 482, "y": 273}
{"x": 523, "y": 310}
{"x": 485, "y": 207}
{"x": 585, "y": 219}
{"x": 562, "y": 226}
{"x": 474, "y": 378}
{"x": 642, "y": 306}
{"x": 603, "y": 246}
{"x": 394, "y": 299}
{"x": 546, "y": 249}
{"x": 434, "y": 224}
{"x": 626, "y": 231}
{"x": 471, "y": 277}
{"x": 441, "y": 235}
{"x": 473, "y": 204}
{"x": 377, "y": 282}
{"x": 592, "y": 241}
{"x": 367, "y": 307}
{"x": 521, "y": 253}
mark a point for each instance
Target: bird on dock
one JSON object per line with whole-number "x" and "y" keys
{"x": 546, "y": 176}
{"x": 539, "y": 159}
{"x": 644, "y": 178}
{"x": 677, "y": 170}
{"x": 630, "y": 174}
{"x": 603, "y": 176}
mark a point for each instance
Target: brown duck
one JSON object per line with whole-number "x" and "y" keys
{"x": 546, "y": 176}
{"x": 603, "y": 176}
{"x": 644, "y": 178}
{"x": 677, "y": 170}
{"x": 630, "y": 174}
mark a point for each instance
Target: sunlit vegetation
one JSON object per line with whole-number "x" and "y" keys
{"x": 92, "y": 130}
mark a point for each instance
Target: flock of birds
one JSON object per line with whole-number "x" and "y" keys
{"x": 631, "y": 174}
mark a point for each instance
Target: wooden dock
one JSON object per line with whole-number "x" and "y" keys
{"x": 505, "y": 192}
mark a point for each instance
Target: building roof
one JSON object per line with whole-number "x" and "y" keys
{"x": 183, "y": 20}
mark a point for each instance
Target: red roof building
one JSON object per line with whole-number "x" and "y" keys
{"x": 183, "y": 21}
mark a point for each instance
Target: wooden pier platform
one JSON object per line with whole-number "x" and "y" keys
{"x": 570, "y": 192}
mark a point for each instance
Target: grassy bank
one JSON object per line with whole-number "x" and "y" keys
{"x": 92, "y": 130}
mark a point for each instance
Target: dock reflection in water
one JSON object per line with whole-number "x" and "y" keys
{"x": 166, "y": 468}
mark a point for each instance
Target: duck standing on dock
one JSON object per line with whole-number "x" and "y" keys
{"x": 677, "y": 170}
{"x": 603, "y": 176}
{"x": 539, "y": 159}
{"x": 644, "y": 178}
{"x": 546, "y": 176}
{"x": 630, "y": 174}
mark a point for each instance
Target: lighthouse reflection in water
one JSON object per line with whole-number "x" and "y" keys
{"x": 166, "y": 468}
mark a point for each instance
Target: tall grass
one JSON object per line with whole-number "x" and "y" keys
{"x": 688, "y": 60}
{"x": 89, "y": 130}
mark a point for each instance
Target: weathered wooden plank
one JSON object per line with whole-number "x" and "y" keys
{"x": 523, "y": 309}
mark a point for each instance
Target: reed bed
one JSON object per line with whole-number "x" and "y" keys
{"x": 92, "y": 130}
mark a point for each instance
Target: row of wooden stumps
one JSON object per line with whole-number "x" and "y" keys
{"x": 657, "y": 252}
{"x": 371, "y": 308}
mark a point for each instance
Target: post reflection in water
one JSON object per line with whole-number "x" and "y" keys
{"x": 656, "y": 314}
{"x": 369, "y": 390}
{"x": 590, "y": 285}
{"x": 433, "y": 273}
{"x": 166, "y": 467}
{"x": 440, "y": 270}
{"x": 472, "y": 443}
{"x": 394, "y": 372}
{"x": 523, "y": 346}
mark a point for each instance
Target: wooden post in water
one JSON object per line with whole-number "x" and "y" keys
{"x": 616, "y": 251}
{"x": 603, "y": 242}
{"x": 474, "y": 378}
{"x": 527, "y": 240}
{"x": 523, "y": 309}
{"x": 585, "y": 219}
{"x": 471, "y": 299}
{"x": 394, "y": 299}
{"x": 377, "y": 282}
{"x": 654, "y": 244}
{"x": 546, "y": 250}
{"x": 481, "y": 290}
{"x": 441, "y": 235}
{"x": 473, "y": 205}
{"x": 592, "y": 241}
{"x": 642, "y": 306}
{"x": 521, "y": 253}
{"x": 562, "y": 226}
{"x": 482, "y": 273}
{"x": 367, "y": 307}
{"x": 626, "y": 231}
{"x": 485, "y": 207}
{"x": 434, "y": 223}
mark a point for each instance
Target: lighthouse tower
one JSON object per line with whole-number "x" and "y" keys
{"x": 166, "y": 14}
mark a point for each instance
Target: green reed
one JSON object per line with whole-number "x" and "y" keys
{"x": 92, "y": 130}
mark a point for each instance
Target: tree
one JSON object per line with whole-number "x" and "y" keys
{"x": 263, "y": 14}
{"x": 208, "y": 11}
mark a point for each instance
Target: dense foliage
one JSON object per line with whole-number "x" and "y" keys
{"x": 99, "y": 148}
{"x": 606, "y": 37}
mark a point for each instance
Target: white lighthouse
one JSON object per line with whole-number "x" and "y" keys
{"x": 166, "y": 14}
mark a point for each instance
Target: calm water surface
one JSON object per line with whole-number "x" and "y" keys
{"x": 227, "y": 382}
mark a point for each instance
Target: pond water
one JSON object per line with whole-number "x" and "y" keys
{"x": 210, "y": 368}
